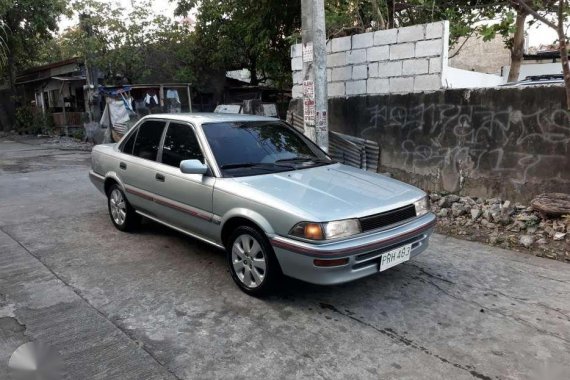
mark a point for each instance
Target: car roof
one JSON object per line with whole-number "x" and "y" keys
{"x": 533, "y": 83}
{"x": 537, "y": 80}
{"x": 209, "y": 117}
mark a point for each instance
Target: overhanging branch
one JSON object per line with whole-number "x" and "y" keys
{"x": 535, "y": 14}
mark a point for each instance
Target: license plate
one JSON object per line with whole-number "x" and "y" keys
{"x": 395, "y": 257}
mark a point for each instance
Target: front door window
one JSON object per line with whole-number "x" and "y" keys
{"x": 180, "y": 143}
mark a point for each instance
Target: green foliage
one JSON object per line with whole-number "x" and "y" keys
{"x": 346, "y": 17}
{"x": 505, "y": 28}
{"x": 30, "y": 120}
{"x": 134, "y": 45}
{"x": 236, "y": 34}
{"x": 77, "y": 133}
{"x": 170, "y": 56}
{"x": 24, "y": 119}
{"x": 26, "y": 25}
{"x": 110, "y": 38}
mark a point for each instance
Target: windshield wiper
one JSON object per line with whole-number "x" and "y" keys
{"x": 306, "y": 159}
{"x": 240, "y": 165}
{"x": 260, "y": 165}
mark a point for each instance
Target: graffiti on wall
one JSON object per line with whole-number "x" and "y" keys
{"x": 472, "y": 139}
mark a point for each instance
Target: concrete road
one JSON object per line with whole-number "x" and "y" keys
{"x": 159, "y": 305}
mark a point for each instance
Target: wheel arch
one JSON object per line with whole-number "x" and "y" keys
{"x": 240, "y": 217}
{"x": 110, "y": 179}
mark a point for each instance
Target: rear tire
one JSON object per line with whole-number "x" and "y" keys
{"x": 123, "y": 215}
{"x": 252, "y": 262}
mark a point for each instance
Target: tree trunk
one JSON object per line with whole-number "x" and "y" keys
{"x": 564, "y": 50}
{"x": 517, "y": 50}
{"x": 254, "y": 81}
{"x": 390, "y": 14}
{"x": 10, "y": 66}
{"x": 378, "y": 12}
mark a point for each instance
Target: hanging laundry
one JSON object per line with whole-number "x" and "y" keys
{"x": 172, "y": 94}
{"x": 151, "y": 100}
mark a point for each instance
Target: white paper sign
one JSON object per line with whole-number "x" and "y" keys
{"x": 308, "y": 52}
{"x": 321, "y": 120}
{"x": 309, "y": 89}
{"x": 309, "y": 111}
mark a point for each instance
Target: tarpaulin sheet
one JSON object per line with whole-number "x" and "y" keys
{"x": 114, "y": 91}
{"x": 119, "y": 113}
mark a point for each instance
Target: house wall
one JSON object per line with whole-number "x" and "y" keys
{"x": 457, "y": 78}
{"x": 480, "y": 56}
{"x": 411, "y": 59}
{"x": 498, "y": 142}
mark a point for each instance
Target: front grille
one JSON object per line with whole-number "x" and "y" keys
{"x": 374, "y": 222}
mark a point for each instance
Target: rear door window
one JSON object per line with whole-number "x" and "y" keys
{"x": 180, "y": 143}
{"x": 148, "y": 139}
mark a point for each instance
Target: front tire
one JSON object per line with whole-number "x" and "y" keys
{"x": 252, "y": 262}
{"x": 123, "y": 215}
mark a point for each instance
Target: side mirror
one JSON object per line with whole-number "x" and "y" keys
{"x": 193, "y": 167}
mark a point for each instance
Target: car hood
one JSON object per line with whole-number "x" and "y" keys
{"x": 331, "y": 192}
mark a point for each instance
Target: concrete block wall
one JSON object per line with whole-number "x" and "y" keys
{"x": 403, "y": 60}
{"x": 508, "y": 142}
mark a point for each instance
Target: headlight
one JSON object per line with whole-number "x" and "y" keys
{"x": 422, "y": 206}
{"x": 342, "y": 228}
{"x": 326, "y": 231}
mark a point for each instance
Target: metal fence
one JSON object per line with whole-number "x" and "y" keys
{"x": 354, "y": 151}
{"x": 350, "y": 150}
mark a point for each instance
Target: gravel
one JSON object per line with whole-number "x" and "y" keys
{"x": 503, "y": 223}
{"x": 67, "y": 143}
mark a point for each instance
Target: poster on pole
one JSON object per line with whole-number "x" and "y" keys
{"x": 321, "y": 121}
{"x": 308, "y": 52}
{"x": 309, "y": 111}
{"x": 309, "y": 102}
{"x": 309, "y": 89}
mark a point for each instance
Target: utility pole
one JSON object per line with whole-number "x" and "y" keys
{"x": 90, "y": 76}
{"x": 315, "y": 96}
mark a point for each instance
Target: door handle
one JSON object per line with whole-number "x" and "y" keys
{"x": 122, "y": 165}
{"x": 159, "y": 177}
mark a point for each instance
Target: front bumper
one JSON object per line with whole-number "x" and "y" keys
{"x": 363, "y": 252}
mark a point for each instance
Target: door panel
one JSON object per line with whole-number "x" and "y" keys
{"x": 185, "y": 199}
{"x": 137, "y": 170}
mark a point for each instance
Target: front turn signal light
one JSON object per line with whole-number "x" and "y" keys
{"x": 313, "y": 231}
{"x": 307, "y": 230}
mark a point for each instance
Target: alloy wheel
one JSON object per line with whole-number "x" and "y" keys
{"x": 249, "y": 261}
{"x": 118, "y": 207}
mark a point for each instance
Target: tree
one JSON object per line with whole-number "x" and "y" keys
{"x": 512, "y": 27}
{"x": 26, "y": 24}
{"x": 553, "y": 14}
{"x": 252, "y": 34}
{"x": 110, "y": 38}
{"x": 123, "y": 45}
{"x": 517, "y": 45}
{"x": 347, "y": 17}
{"x": 3, "y": 45}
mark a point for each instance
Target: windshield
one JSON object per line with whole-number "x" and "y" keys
{"x": 253, "y": 148}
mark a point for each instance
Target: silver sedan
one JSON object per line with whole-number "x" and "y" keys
{"x": 266, "y": 194}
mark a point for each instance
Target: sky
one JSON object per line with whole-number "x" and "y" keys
{"x": 543, "y": 35}
{"x": 538, "y": 34}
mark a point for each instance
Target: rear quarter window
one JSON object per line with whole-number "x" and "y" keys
{"x": 129, "y": 144}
